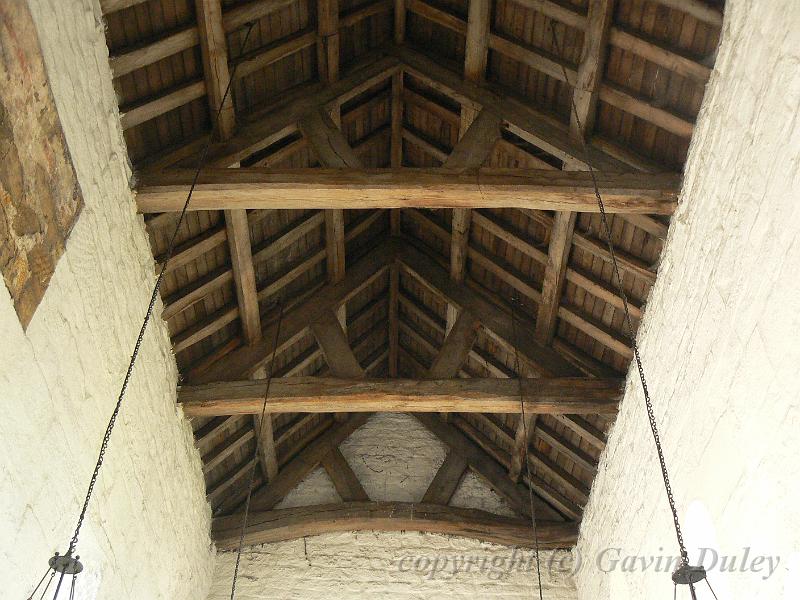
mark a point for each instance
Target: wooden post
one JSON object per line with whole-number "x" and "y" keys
{"x": 475, "y": 56}
{"x": 328, "y": 40}
{"x": 475, "y": 145}
{"x": 399, "y": 21}
{"x": 215, "y": 64}
{"x": 332, "y": 150}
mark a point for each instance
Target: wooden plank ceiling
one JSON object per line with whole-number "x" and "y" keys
{"x": 406, "y": 171}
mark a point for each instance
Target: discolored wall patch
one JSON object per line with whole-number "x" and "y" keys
{"x": 40, "y": 199}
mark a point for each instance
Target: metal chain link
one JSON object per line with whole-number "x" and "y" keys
{"x": 628, "y": 321}
{"x": 148, "y": 315}
{"x": 255, "y": 452}
{"x": 514, "y": 301}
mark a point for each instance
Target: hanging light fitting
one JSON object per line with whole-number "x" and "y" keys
{"x": 67, "y": 565}
{"x": 686, "y": 573}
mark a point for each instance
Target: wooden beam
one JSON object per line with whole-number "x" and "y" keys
{"x": 327, "y": 141}
{"x": 332, "y": 150}
{"x": 583, "y": 428}
{"x": 554, "y": 275}
{"x": 277, "y": 121}
{"x": 265, "y": 439}
{"x": 396, "y": 162}
{"x": 522, "y": 438}
{"x": 456, "y": 347}
{"x": 218, "y": 455}
{"x": 477, "y": 44}
{"x": 365, "y": 11}
{"x": 267, "y": 456}
{"x": 440, "y": 16}
{"x": 496, "y": 320}
{"x": 556, "y": 11}
{"x": 698, "y": 9}
{"x": 306, "y": 461}
{"x": 470, "y": 152}
{"x": 215, "y": 429}
{"x": 221, "y": 489}
{"x": 295, "y": 523}
{"x": 215, "y": 65}
{"x": 135, "y": 114}
{"x": 629, "y": 102}
{"x": 140, "y": 56}
{"x": 193, "y": 248}
{"x": 432, "y": 321}
{"x": 246, "y": 360}
{"x": 578, "y": 277}
{"x": 436, "y": 109}
{"x": 590, "y": 69}
{"x": 567, "y": 395}
{"x": 399, "y": 21}
{"x": 563, "y": 504}
{"x": 109, "y": 6}
{"x": 659, "y": 54}
{"x": 218, "y": 189}
{"x": 333, "y": 340}
{"x": 571, "y": 451}
{"x": 515, "y": 111}
{"x": 328, "y": 40}
{"x": 477, "y": 143}
{"x": 397, "y": 121}
{"x": 132, "y": 59}
{"x": 251, "y": 62}
{"x": 394, "y": 319}
{"x": 344, "y": 480}
{"x": 486, "y": 468}
{"x": 584, "y": 322}
{"x": 415, "y": 138}
{"x": 150, "y": 108}
{"x": 195, "y": 292}
{"x": 204, "y": 328}
{"x": 243, "y": 273}
{"x": 445, "y": 482}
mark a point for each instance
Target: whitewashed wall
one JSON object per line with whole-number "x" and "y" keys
{"x": 146, "y": 536}
{"x": 395, "y": 458}
{"x": 720, "y": 343}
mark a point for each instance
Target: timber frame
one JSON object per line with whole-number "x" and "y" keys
{"x": 409, "y": 186}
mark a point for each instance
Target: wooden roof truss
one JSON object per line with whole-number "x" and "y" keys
{"x": 393, "y": 173}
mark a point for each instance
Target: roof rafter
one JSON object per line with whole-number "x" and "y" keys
{"x": 471, "y": 151}
{"x": 553, "y": 496}
{"x": 486, "y": 468}
{"x": 493, "y": 318}
{"x": 564, "y": 71}
{"x": 306, "y": 461}
{"x": 445, "y": 483}
{"x": 246, "y": 360}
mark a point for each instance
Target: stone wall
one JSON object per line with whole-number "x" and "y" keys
{"x": 395, "y": 458}
{"x": 146, "y": 535}
{"x": 719, "y": 342}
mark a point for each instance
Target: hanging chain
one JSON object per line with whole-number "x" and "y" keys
{"x": 148, "y": 315}
{"x": 628, "y": 321}
{"x": 514, "y": 301}
{"x": 255, "y": 452}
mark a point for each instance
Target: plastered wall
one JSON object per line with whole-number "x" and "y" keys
{"x": 395, "y": 458}
{"x": 146, "y": 534}
{"x": 719, "y": 342}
